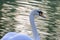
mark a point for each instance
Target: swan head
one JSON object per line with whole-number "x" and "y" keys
{"x": 38, "y": 12}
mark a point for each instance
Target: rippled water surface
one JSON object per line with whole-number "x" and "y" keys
{"x": 48, "y": 28}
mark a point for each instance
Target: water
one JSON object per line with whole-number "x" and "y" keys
{"x": 48, "y": 28}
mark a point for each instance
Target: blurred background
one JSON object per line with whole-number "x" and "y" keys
{"x": 14, "y": 17}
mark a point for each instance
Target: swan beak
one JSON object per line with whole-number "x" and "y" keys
{"x": 41, "y": 14}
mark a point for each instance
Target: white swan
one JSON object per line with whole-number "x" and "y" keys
{"x": 17, "y": 36}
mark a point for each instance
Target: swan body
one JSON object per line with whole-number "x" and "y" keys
{"x": 18, "y": 36}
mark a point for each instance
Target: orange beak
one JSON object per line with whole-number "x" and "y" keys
{"x": 41, "y": 14}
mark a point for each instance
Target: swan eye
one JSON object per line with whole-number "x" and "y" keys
{"x": 40, "y": 13}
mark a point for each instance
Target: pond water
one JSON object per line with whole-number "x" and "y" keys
{"x": 48, "y": 28}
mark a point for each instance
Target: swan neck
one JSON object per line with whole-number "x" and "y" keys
{"x": 34, "y": 29}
